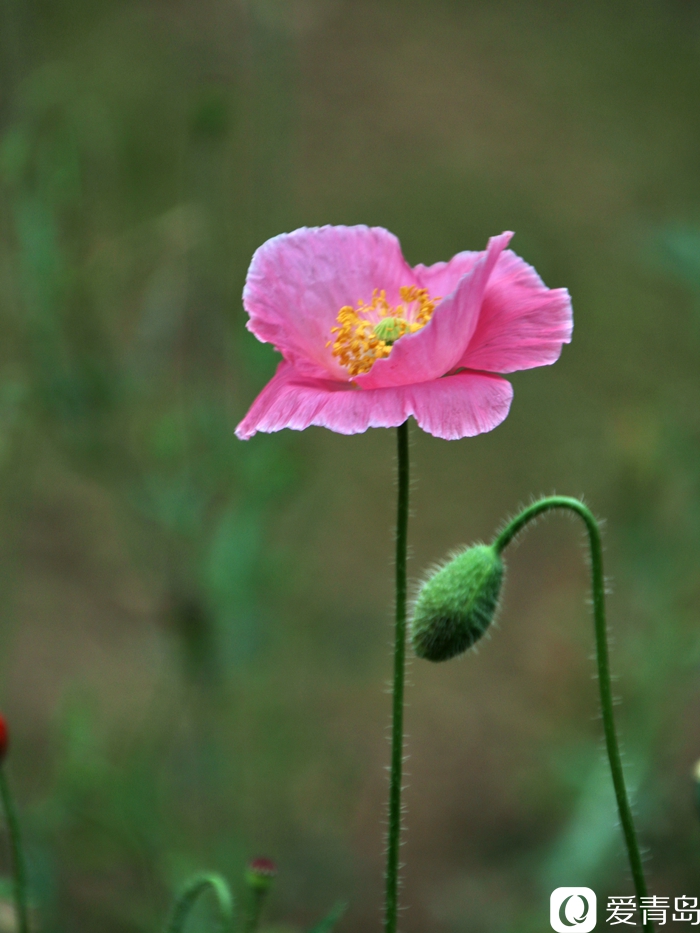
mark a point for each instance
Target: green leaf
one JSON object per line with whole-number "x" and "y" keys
{"x": 331, "y": 919}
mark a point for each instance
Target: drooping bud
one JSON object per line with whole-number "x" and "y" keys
{"x": 260, "y": 873}
{"x": 4, "y": 738}
{"x": 457, "y": 604}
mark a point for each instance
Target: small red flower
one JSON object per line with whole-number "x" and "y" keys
{"x": 263, "y": 866}
{"x": 4, "y": 738}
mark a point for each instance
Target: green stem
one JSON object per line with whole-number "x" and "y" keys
{"x": 603, "y": 663}
{"x": 395, "y": 781}
{"x": 257, "y": 899}
{"x": 18, "y": 864}
{"x": 191, "y": 894}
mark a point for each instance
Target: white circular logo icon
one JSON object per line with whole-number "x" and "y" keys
{"x": 572, "y": 910}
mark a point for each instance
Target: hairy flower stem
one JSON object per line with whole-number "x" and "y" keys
{"x": 18, "y": 865}
{"x": 255, "y": 910}
{"x": 395, "y": 780}
{"x": 603, "y": 664}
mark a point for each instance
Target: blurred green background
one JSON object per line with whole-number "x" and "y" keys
{"x": 195, "y": 630}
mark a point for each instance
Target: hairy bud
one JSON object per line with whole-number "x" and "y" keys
{"x": 457, "y": 604}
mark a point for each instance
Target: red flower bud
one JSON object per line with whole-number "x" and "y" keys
{"x": 4, "y": 738}
{"x": 260, "y": 873}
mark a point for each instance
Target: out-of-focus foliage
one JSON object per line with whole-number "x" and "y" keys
{"x": 126, "y": 158}
{"x": 194, "y": 629}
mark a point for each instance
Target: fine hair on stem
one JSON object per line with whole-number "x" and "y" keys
{"x": 397, "y": 709}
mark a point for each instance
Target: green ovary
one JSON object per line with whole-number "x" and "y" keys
{"x": 389, "y": 329}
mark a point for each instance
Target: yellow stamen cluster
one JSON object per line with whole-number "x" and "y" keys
{"x": 367, "y": 333}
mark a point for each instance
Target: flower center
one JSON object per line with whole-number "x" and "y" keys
{"x": 367, "y": 333}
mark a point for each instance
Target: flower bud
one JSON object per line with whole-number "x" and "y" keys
{"x": 4, "y": 738}
{"x": 260, "y": 873}
{"x": 457, "y": 604}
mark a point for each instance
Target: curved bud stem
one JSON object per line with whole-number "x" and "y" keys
{"x": 602, "y": 660}
{"x": 18, "y": 864}
{"x": 191, "y": 894}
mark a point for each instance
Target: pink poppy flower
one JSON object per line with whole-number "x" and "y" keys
{"x": 368, "y": 341}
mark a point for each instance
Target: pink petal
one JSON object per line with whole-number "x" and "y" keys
{"x": 442, "y": 278}
{"x": 522, "y": 323}
{"x": 440, "y": 345}
{"x": 457, "y": 406}
{"x": 298, "y": 282}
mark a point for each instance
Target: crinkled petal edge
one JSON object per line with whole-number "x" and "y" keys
{"x": 461, "y": 405}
